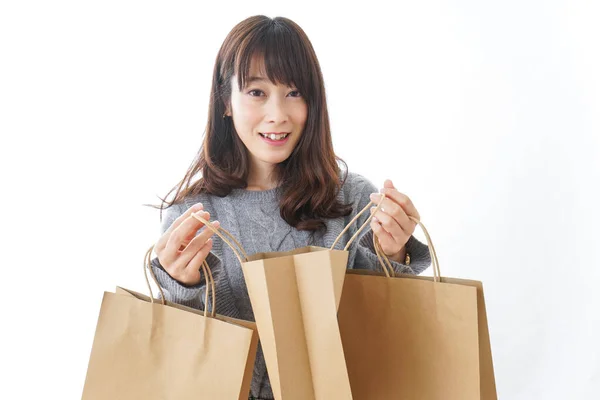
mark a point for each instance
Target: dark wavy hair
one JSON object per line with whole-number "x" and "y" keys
{"x": 310, "y": 179}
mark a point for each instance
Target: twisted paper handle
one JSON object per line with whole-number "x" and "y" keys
{"x": 362, "y": 226}
{"x": 210, "y": 283}
{"x": 240, "y": 249}
{"x": 389, "y": 270}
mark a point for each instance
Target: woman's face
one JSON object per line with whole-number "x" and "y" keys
{"x": 264, "y": 109}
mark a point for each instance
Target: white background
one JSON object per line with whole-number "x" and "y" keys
{"x": 486, "y": 114}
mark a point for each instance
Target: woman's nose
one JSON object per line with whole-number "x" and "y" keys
{"x": 276, "y": 110}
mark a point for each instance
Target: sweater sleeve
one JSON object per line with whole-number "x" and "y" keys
{"x": 175, "y": 291}
{"x": 365, "y": 256}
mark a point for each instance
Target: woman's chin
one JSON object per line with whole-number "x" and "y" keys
{"x": 274, "y": 158}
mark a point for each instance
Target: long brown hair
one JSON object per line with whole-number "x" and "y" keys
{"x": 309, "y": 180}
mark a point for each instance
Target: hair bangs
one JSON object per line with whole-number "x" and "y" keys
{"x": 281, "y": 57}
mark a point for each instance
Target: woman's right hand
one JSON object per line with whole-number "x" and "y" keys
{"x": 179, "y": 252}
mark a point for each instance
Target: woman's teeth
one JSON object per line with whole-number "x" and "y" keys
{"x": 273, "y": 136}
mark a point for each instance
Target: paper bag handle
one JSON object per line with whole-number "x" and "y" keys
{"x": 389, "y": 270}
{"x": 210, "y": 283}
{"x": 240, "y": 249}
{"x": 362, "y": 226}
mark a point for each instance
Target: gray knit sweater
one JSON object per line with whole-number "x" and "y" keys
{"x": 253, "y": 218}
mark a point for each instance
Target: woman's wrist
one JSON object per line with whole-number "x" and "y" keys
{"x": 401, "y": 257}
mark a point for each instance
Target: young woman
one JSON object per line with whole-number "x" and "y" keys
{"x": 268, "y": 174}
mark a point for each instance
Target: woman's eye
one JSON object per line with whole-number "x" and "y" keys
{"x": 254, "y": 91}
{"x": 258, "y": 93}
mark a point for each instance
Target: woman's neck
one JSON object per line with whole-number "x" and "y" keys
{"x": 262, "y": 176}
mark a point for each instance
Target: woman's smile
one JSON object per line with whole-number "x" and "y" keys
{"x": 275, "y": 139}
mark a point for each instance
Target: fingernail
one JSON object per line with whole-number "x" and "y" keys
{"x": 202, "y": 214}
{"x": 197, "y": 206}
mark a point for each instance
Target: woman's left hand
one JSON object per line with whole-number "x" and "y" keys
{"x": 391, "y": 224}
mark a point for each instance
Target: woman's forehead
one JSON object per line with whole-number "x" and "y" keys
{"x": 257, "y": 67}
{"x": 257, "y": 72}
{"x": 267, "y": 69}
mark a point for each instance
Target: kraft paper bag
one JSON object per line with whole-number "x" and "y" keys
{"x": 295, "y": 297}
{"x": 412, "y": 337}
{"x": 146, "y": 348}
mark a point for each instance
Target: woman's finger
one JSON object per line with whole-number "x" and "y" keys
{"x": 163, "y": 240}
{"x": 196, "y": 245}
{"x": 403, "y": 200}
{"x": 179, "y": 259}
{"x": 402, "y": 219}
{"x": 393, "y": 209}
{"x": 186, "y": 230}
{"x": 389, "y": 224}
{"x": 191, "y": 272}
{"x": 388, "y": 244}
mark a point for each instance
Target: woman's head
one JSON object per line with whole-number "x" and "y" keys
{"x": 290, "y": 98}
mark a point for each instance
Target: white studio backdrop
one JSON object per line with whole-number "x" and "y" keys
{"x": 486, "y": 114}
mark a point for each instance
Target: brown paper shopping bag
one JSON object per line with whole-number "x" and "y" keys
{"x": 411, "y": 337}
{"x": 295, "y": 296}
{"x": 144, "y": 349}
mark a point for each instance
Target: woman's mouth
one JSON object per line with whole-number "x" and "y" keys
{"x": 274, "y": 138}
